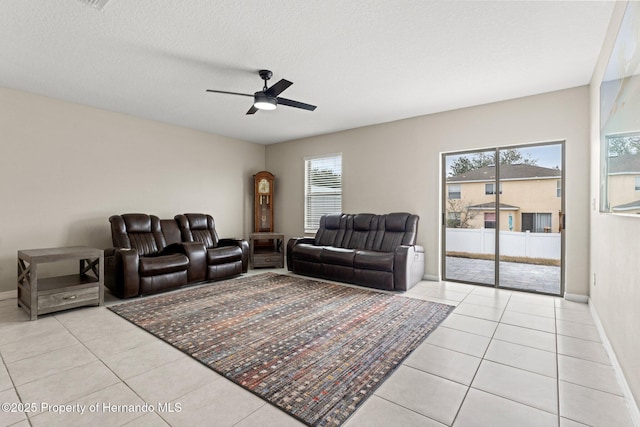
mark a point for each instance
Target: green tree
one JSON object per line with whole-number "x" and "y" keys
{"x": 474, "y": 161}
{"x": 624, "y": 145}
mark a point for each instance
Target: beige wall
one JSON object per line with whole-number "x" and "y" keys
{"x": 615, "y": 293}
{"x": 65, "y": 168}
{"x": 396, "y": 166}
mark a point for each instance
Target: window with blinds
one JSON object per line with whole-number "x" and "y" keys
{"x": 322, "y": 189}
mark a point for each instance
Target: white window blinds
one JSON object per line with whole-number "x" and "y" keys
{"x": 323, "y": 189}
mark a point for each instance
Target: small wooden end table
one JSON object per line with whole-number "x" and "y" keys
{"x": 269, "y": 255}
{"x": 46, "y": 295}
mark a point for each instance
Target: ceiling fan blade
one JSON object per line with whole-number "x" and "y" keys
{"x": 296, "y": 104}
{"x": 278, "y": 88}
{"x": 252, "y": 110}
{"x": 229, "y": 93}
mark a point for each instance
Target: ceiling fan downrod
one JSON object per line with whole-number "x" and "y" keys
{"x": 265, "y": 75}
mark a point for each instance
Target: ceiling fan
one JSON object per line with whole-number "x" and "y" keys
{"x": 267, "y": 98}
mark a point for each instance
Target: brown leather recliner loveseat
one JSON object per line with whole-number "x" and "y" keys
{"x": 152, "y": 255}
{"x": 377, "y": 251}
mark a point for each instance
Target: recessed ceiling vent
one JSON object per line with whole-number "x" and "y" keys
{"x": 98, "y": 4}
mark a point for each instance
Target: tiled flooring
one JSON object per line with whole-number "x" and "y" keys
{"x": 500, "y": 359}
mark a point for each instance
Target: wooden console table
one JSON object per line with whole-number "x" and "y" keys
{"x": 270, "y": 255}
{"x": 45, "y": 295}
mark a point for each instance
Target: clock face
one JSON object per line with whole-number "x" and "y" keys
{"x": 263, "y": 186}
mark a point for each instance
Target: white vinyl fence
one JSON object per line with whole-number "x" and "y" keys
{"x": 512, "y": 243}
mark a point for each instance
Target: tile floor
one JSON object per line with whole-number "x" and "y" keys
{"x": 500, "y": 359}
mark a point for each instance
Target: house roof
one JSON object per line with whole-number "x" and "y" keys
{"x": 624, "y": 164}
{"x": 492, "y": 206}
{"x": 507, "y": 172}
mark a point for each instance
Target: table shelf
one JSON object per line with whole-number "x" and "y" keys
{"x": 269, "y": 255}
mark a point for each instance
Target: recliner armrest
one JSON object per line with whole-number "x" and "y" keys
{"x": 197, "y": 254}
{"x": 243, "y": 245}
{"x": 230, "y": 242}
{"x": 121, "y": 271}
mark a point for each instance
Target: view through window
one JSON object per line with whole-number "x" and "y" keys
{"x": 323, "y": 188}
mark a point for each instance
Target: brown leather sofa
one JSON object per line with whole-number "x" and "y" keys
{"x": 377, "y": 251}
{"x": 152, "y": 255}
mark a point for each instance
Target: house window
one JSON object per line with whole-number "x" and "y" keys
{"x": 322, "y": 189}
{"x": 454, "y": 191}
{"x": 536, "y": 222}
{"x": 559, "y": 188}
{"x": 637, "y": 183}
{"x": 491, "y": 188}
{"x": 490, "y": 220}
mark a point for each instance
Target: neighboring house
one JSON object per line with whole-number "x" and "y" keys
{"x": 624, "y": 184}
{"x": 530, "y": 198}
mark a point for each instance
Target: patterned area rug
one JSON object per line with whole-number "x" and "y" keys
{"x": 316, "y": 350}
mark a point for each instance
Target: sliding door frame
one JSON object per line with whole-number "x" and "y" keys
{"x": 562, "y": 214}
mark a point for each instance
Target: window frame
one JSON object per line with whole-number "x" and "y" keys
{"x": 311, "y": 220}
{"x": 492, "y": 222}
{"x": 490, "y": 189}
{"x": 459, "y": 192}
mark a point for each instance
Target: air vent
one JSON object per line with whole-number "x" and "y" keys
{"x": 98, "y": 4}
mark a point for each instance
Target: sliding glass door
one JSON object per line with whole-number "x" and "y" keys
{"x": 530, "y": 240}
{"x": 503, "y": 217}
{"x": 469, "y": 217}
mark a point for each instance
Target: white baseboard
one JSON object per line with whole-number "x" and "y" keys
{"x": 431, "y": 278}
{"x": 8, "y": 295}
{"x": 634, "y": 411}
{"x": 576, "y": 297}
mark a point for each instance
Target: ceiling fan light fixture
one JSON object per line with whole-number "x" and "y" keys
{"x": 263, "y": 101}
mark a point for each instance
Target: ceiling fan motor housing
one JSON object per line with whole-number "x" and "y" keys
{"x": 265, "y": 74}
{"x": 263, "y": 101}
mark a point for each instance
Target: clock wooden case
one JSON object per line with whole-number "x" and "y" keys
{"x": 263, "y": 202}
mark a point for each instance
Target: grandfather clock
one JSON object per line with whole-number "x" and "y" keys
{"x": 263, "y": 202}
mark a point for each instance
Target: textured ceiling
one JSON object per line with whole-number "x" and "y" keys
{"x": 361, "y": 62}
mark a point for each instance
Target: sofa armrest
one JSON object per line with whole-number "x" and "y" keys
{"x": 121, "y": 272}
{"x": 291, "y": 243}
{"x": 408, "y": 266}
{"x": 243, "y": 245}
{"x": 197, "y": 254}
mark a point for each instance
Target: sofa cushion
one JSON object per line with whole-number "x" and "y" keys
{"x": 396, "y": 229}
{"x": 224, "y": 255}
{"x": 171, "y": 231}
{"x": 372, "y": 260}
{"x": 155, "y": 265}
{"x": 198, "y": 227}
{"x": 337, "y": 256}
{"x": 331, "y": 230}
{"x": 361, "y": 229}
{"x": 308, "y": 252}
{"x": 138, "y": 231}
